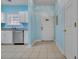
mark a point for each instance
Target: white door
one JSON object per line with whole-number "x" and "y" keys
{"x": 47, "y": 26}
{"x": 71, "y": 29}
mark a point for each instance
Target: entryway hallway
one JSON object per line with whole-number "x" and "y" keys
{"x": 40, "y": 50}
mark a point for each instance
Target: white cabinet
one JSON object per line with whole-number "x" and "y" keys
{"x": 9, "y": 37}
{"x": 26, "y": 37}
{"x": 3, "y": 35}
{"x": 6, "y": 37}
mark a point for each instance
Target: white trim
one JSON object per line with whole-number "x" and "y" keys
{"x": 59, "y": 48}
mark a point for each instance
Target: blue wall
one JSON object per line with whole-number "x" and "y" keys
{"x": 59, "y": 33}
{"x": 36, "y": 24}
{"x": 31, "y": 22}
{"x": 37, "y": 27}
{"x": 13, "y": 8}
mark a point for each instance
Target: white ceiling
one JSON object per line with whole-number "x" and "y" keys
{"x": 44, "y": 2}
{"x": 24, "y": 2}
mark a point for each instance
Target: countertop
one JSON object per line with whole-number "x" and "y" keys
{"x": 23, "y": 26}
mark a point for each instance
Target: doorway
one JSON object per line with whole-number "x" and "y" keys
{"x": 47, "y": 26}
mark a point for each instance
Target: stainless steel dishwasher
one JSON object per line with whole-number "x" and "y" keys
{"x": 18, "y": 37}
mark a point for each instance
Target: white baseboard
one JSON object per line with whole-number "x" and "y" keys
{"x": 36, "y": 41}
{"x": 60, "y": 48}
{"x": 39, "y": 40}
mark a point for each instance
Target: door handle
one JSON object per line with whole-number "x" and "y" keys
{"x": 41, "y": 28}
{"x": 65, "y": 30}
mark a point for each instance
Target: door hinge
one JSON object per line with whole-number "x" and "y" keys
{"x": 75, "y": 24}
{"x": 75, "y": 57}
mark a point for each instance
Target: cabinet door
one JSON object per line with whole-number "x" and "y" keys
{"x": 25, "y": 37}
{"x": 3, "y": 37}
{"x": 9, "y": 37}
{"x": 6, "y": 37}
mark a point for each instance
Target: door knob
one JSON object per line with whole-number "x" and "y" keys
{"x": 65, "y": 30}
{"x": 41, "y": 28}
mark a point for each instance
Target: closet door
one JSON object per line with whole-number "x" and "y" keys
{"x": 75, "y": 20}
{"x": 70, "y": 30}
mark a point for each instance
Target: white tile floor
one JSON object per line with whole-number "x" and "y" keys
{"x": 41, "y": 50}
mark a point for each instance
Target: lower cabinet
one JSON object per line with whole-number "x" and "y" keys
{"x": 6, "y": 37}
{"x": 3, "y": 37}
{"x": 11, "y": 37}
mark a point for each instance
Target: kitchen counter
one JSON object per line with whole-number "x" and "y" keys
{"x": 13, "y": 29}
{"x": 24, "y": 26}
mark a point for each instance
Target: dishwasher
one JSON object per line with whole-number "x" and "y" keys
{"x": 18, "y": 37}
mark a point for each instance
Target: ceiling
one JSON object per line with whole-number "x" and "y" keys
{"x": 25, "y": 2}
{"x": 44, "y": 2}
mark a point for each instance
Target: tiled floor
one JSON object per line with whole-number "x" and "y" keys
{"x": 41, "y": 50}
